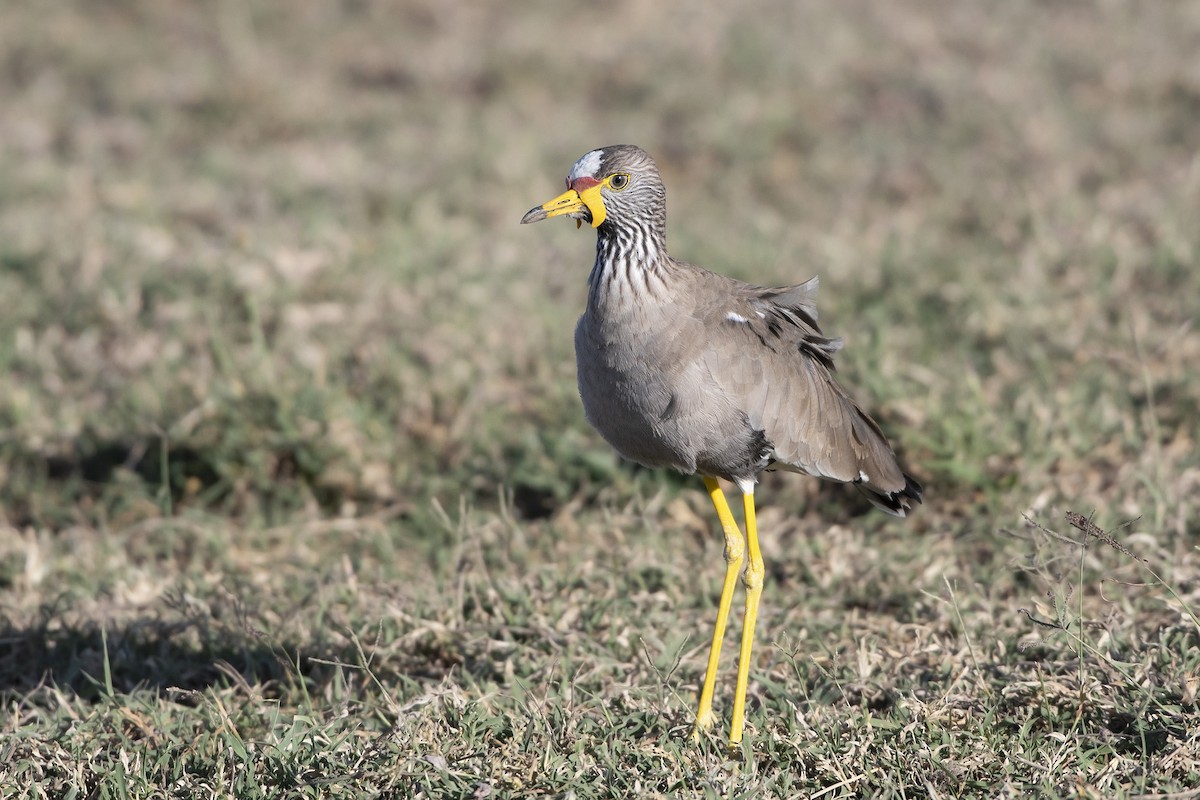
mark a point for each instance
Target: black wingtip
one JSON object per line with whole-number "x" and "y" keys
{"x": 912, "y": 489}
{"x": 898, "y": 503}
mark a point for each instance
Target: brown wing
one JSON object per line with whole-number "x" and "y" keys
{"x": 771, "y": 359}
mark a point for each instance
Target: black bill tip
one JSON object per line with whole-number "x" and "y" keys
{"x": 535, "y": 214}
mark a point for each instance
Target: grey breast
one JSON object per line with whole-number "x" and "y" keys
{"x": 646, "y": 377}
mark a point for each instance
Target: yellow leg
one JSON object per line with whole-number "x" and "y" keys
{"x": 735, "y": 550}
{"x": 753, "y": 580}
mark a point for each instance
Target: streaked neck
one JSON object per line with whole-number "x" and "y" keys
{"x": 631, "y": 267}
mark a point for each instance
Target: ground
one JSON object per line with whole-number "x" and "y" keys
{"x": 296, "y": 494}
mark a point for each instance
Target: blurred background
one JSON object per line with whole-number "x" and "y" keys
{"x": 270, "y": 328}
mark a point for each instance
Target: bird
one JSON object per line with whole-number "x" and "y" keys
{"x": 683, "y": 368}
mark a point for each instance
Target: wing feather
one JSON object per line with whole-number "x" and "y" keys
{"x": 771, "y": 359}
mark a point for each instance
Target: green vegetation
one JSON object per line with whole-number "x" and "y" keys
{"x": 296, "y": 496}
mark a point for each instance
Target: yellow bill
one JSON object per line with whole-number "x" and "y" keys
{"x": 587, "y": 204}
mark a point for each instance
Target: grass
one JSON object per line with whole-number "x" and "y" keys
{"x": 297, "y": 499}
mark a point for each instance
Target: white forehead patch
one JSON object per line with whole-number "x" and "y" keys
{"x": 587, "y": 166}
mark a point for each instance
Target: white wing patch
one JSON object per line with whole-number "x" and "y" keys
{"x": 587, "y": 166}
{"x": 862, "y": 477}
{"x": 733, "y": 316}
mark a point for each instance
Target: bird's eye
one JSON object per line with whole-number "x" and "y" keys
{"x": 618, "y": 182}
